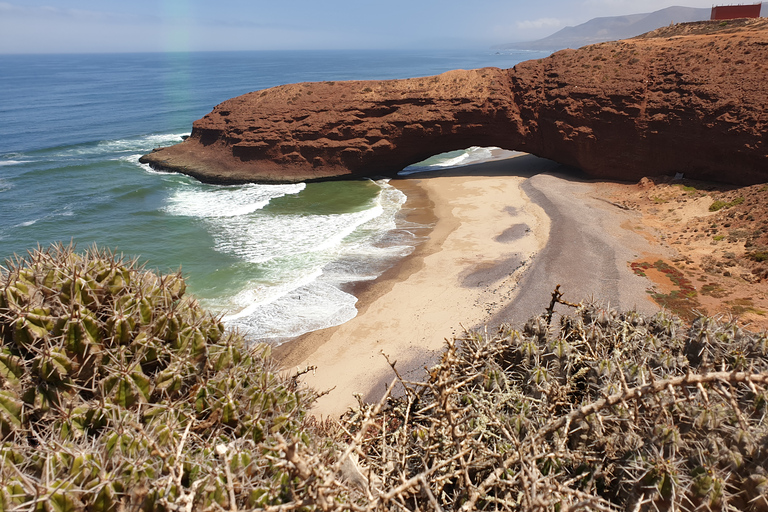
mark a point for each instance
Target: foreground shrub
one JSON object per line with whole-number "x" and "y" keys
{"x": 613, "y": 411}
{"x": 118, "y": 392}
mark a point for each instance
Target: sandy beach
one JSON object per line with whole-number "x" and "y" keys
{"x": 505, "y": 233}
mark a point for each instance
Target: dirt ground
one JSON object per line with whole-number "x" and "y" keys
{"x": 720, "y": 234}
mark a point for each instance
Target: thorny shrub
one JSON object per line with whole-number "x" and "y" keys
{"x": 612, "y": 411}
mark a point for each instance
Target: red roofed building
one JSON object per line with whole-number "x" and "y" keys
{"x": 729, "y": 12}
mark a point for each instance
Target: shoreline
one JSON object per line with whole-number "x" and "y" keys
{"x": 419, "y": 210}
{"x": 505, "y": 233}
{"x": 485, "y": 235}
{"x": 592, "y": 243}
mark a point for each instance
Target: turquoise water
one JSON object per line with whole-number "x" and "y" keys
{"x": 274, "y": 260}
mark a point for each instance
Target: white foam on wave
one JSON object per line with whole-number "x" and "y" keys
{"x": 305, "y": 309}
{"x": 255, "y": 296}
{"x": 206, "y": 202}
{"x": 143, "y": 143}
{"x": 324, "y": 251}
{"x": 373, "y": 241}
{"x": 4, "y": 163}
{"x": 261, "y": 239}
{"x": 460, "y": 158}
{"x": 134, "y": 159}
{"x": 65, "y": 211}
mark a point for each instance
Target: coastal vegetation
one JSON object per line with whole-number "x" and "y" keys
{"x": 721, "y": 253}
{"x": 120, "y": 393}
{"x": 719, "y": 204}
{"x": 681, "y": 300}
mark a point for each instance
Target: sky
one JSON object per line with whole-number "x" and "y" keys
{"x": 88, "y": 26}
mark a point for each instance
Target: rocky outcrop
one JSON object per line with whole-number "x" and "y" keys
{"x": 329, "y": 129}
{"x": 686, "y": 99}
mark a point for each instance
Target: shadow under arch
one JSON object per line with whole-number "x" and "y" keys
{"x": 504, "y": 162}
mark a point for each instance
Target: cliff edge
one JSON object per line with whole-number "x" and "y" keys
{"x": 689, "y": 99}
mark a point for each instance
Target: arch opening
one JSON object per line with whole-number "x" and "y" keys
{"x": 459, "y": 158}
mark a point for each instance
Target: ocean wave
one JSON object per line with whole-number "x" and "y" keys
{"x": 4, "y": 163}
{"x": 103, "y": 148}
{"x": 263, "y": 238}
{"x": 208, "y": 202}
{"x": 257, "y": 295}
{"x": 144, "y": 141}
{"x": 308, "y": 308}
{"x": 377, "y": 240}
{"x": 391, "y": 201}
{"x": 134, "y": 159}
{"x": 60, "y": 212}
{"x": 326, "y": 252}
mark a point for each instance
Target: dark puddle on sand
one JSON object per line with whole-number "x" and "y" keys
{"x": 513, "y": 233}
{"x": 488, "y": 273}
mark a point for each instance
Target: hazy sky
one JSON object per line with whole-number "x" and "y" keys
{"x": 54, "y": 26}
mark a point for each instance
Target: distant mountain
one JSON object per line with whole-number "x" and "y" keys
{"x": 611, "y": 28}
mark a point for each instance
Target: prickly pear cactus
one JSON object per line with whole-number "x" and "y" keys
{"x": 116, "y": 390}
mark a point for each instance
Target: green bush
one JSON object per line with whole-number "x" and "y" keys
{"x": 608, "y": 411}
{"x": 719, "y": 204}
{"x": 758, "y": 256}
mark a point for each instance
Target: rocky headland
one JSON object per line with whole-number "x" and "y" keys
{"x": 688, "y": 99}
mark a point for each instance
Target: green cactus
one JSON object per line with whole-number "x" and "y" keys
{"x": 105, "y": 369}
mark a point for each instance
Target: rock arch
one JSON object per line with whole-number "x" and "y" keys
{"x": 622, "y": 110}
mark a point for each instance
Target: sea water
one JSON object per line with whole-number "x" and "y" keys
{"x": 275, "y": 261}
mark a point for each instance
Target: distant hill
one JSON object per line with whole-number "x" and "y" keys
{"x": 610, "y": 28}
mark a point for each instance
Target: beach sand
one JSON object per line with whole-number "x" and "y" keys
{"x": 505, "y": 233}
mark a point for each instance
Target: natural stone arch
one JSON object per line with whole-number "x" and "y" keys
{"x": 620, "y": 110}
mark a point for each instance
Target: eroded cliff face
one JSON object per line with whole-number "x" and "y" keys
{"x": 690, "y": 99}
{"x": 693, "y": 102}
{"x": 353, "y": 128}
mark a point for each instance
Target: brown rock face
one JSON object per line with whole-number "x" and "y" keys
{"x": 356, "y": 128}
{"x": 690, "y": 99}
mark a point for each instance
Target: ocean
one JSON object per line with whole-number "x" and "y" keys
{"x": 276, "y": 261}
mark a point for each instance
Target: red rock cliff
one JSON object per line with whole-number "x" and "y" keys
{"x": 690, "y": 98}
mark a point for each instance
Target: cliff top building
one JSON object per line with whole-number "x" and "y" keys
{"x": 729, "y": 12}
